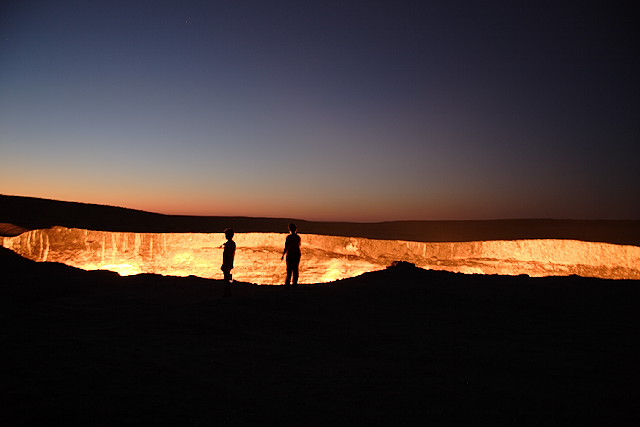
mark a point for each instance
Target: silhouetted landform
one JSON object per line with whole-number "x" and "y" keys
{"x": 402, "y": 346}
{"x": 34, "y": 213}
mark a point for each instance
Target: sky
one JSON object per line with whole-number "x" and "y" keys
{"x": 324, "y": 110}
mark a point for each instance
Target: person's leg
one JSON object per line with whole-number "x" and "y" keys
{"x": 289, "y": 271}
{"x": 227, "y": 283}
{"x": 295, "y": 270}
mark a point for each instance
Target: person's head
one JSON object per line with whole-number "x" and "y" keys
{"x": 292, "y": 228}
{"x": 228, "y": 233}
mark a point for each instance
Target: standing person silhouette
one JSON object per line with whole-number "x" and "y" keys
{"x": 292, "y": 251}
{"x": 228, "y": 255}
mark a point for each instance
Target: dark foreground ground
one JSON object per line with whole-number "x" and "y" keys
{"x": 398, "y": 347}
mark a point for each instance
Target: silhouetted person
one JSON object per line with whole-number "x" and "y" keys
{"x": 228, "y": 255}
{"x": 292, "y": 251}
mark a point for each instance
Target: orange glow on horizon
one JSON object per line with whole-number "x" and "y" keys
{"x": 276, "y": 205}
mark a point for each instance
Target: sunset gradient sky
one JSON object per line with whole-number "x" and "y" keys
{"x": 324, "y": 110}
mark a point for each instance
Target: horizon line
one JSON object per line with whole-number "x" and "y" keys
{"x": 315, "y": 220}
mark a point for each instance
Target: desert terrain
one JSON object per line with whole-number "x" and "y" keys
{"x": 400, "y": 346}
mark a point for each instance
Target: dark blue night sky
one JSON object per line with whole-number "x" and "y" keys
{"x": 346, "y": 110}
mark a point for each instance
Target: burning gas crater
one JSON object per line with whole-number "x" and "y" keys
{"x": 324, "y": 258}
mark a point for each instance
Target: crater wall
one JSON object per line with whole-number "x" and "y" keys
{"x": 324, "y": 258}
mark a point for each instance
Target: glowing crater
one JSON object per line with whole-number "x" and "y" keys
{"x": 324, "y": 258}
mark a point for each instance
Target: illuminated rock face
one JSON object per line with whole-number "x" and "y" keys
{"x": 324, "y": 258}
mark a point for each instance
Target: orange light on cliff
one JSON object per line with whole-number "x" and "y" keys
{"x": 121, "y": 269}
{"x": 324, "y": 258}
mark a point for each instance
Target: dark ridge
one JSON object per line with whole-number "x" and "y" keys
{"x": 11, "y": 262}
{"x": 402, "y": 346}
{"x": 34, "y": 213}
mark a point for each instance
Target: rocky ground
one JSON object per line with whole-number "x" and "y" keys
{"x": 402, "y": 346}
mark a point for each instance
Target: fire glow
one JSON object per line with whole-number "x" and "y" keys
{"x": 324, "y": 258}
